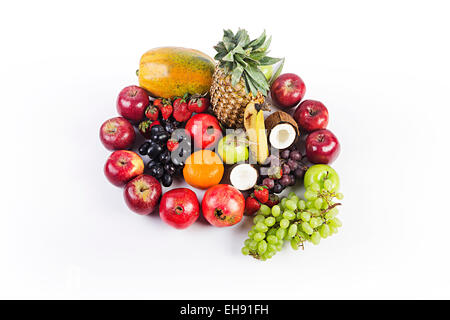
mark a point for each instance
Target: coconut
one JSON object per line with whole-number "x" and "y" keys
{"x": 242, "y": 176}
{"x": 282, "y": 130}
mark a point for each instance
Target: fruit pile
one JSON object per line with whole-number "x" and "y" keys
{"x": 209, "y": 122}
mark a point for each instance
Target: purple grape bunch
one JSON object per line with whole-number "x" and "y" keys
{"x": 284, "y": 171}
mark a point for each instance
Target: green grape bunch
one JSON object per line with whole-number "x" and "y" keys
{"x": 294, "y": 220}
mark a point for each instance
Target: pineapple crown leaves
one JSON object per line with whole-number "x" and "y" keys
{"x": 240, "y": 57}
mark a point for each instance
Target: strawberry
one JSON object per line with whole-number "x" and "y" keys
{"x": 273, "y": 200}
{"x": 275, "y": 173}
{"x": 251, "y": 206}
{"x": 152, "y": 113}
{"x": 181, "y": 112}
{"x": 172, "y": 144}
{"x": 158, "y": 103}
{"x": 198, "y": 104}
{"x": 154, "y": 123}
{"x": 166, "y": 111}
{"x": 164, "y": 106}
{"x": 144, "y": 128}
{"x": 261, "y": 193}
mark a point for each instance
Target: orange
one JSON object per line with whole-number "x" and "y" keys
{"x": 203, "y": 169}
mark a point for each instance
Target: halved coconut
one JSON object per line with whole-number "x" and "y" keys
{"x": 282, "y": 130}
{"x": 243, "y": 176}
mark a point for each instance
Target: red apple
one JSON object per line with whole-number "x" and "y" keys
{"x": 142, "y": 194}
{"x": 132, "y": 102}
{"x": 223, "y": 205}
{"x": 122, "y": 166}
{"x": 287, "y": 90}
{"x": 204, "y": 130}
{"x": 179, "y": 208}
{"x": 117, "y": 133}
{"x": 311, "y": 115}
{"x": 322, "y": 146}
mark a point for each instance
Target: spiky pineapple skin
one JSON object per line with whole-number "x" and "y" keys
{"x": 228, "y": 101}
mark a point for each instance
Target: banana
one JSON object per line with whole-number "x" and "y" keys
{"x": 256, "y": 132}
{"x": 263, "y": 148}
{"x": 250, "y": 126}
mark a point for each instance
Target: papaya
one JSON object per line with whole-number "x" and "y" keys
{"x": 173, "y": 71}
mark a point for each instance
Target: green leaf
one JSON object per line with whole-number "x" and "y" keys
{"x": 229, "y": 45}
{"x": 242, "y": 38}
{"x": 252, "y": 63}
{"x": 220, "y": 47}
{"x": 262, "y": 90}
{"x": 268, "y": 61}
{"x": 258, "y": 76}
{"x": 239, "y": 59}
{"x": 257, "y": 56}
{"x": 239, "y": 50}
{"x": 220, "y": 56}
{"x": 247, "y": 87}
{"x": 229, "y": 57}
{"x": 228, "y": 34}
{"x": 277, "y": 72}
{"x": 227, "y": 66}
{"x": 266, "y": 45}
{"x": 251, "y": 86}
{"x": 259, "y": 41}
{"x": 236, "y": 74}
{"x": 250, "y": 60}
{"x": 257, "y": 87}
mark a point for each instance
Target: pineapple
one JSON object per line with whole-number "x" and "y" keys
{"x": 237, "y": 79}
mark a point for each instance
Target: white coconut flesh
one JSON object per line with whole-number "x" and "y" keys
{"x": 282, "y": 136}
{"x": 243, "y": 176}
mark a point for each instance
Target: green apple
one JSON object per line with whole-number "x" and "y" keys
{"x": 318, "y": 173}
{"x": 267, "y": 71}
{"x": 233, "y": 148}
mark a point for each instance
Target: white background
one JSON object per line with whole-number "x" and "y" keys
{"x": 381, "y": 68}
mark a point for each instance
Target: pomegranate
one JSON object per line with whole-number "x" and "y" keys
{"x": 179, "y": 208}
{"x": 223, "y": 205}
